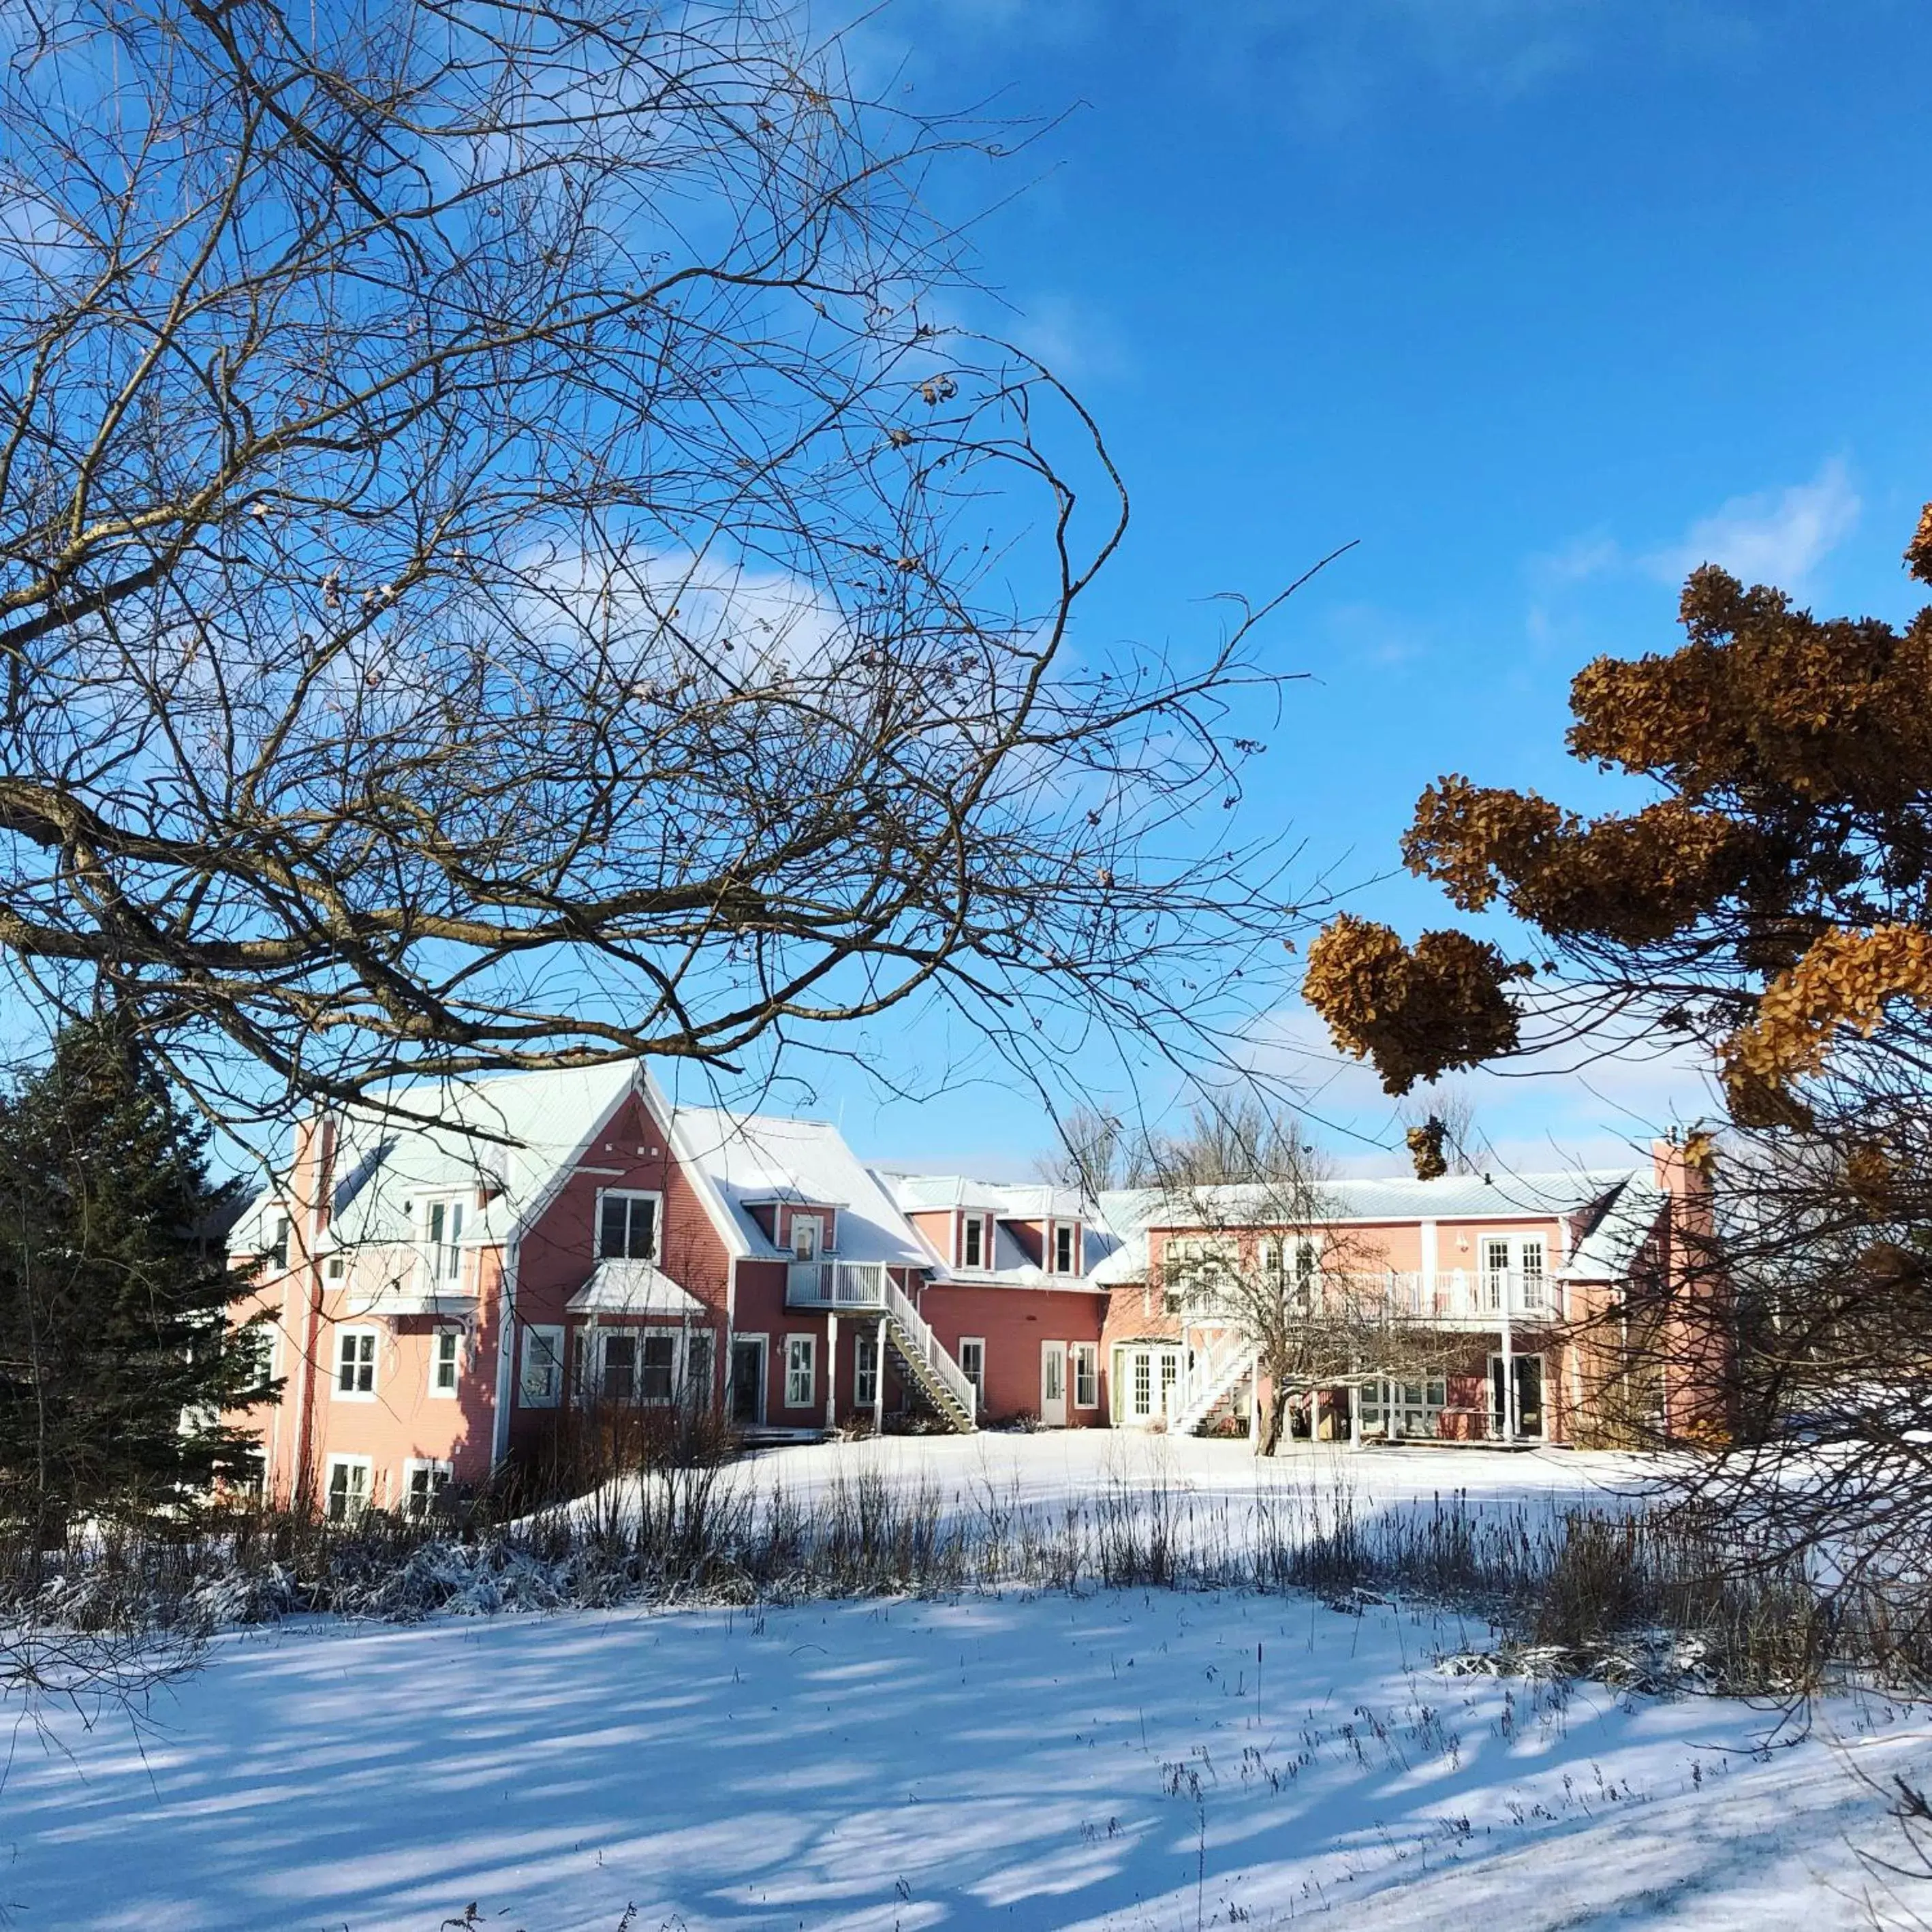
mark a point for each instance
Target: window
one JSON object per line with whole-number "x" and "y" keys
{"x": 973, "y": 1367}
{"x": 1086, "y": 1376}
{"x": 1307, "y": 1256}
{"x": 356, "y": 1363}
{"x": 808, "y": 1237}
{"x": 701, "y": 1370}
{"x": 1270, "y": 1257}
{"x": 348, "y": 1487}
{"x": 541, "y": 1384}
{"x": 1170, "y": 1373}
{"x": 424, "y": 1485}
{"x": 1532, "y": 1272}
{"x": 657, "y": 1359}
{"x": 1064, "y": 1234}
{"x": 627, "y": 1226}
{"x": 865, "y": 1371}
{"x": 973, "y": 1247}
{"x": 1143, "y": 1383}
{"x": 800, "y": 1351}
{"x": 1496, "y": 1269}
{"x": 445, "y": 1357}
{"x": 278, "y": 1248}
{"x": 335, "y": 1268}
{"x": 443, "y": 1230}
{"x": 619, "y": 1381}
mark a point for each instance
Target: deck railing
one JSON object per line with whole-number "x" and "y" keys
{"x": 835, "y": 1285}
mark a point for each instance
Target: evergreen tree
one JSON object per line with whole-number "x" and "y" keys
{"x": 118, "y": 1358}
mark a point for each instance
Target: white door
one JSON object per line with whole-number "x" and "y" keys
{"x": 808, "y": 1233}
{"x": 1053, "y": 1385}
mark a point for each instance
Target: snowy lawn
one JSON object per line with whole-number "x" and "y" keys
{"x": 1127, "y": 1760}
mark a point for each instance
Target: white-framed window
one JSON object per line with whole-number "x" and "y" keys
{"x": 1515, "y": 1268}
{"x": 801, "y": 1363}
{"x": 1065, "y": 1246}
{"x": 278, "y": 1247}
{"x": 627, "y": 1225}
{"x": 336, "y": 1267}
{"x": 973, "y": 1367}
{"x": 423, "y": 1481}
{"x": 975, "y": 1242}
{"x": 700, "y": 1367}
{"x": 1271, "y": 1256}
{"x": 865, "y": 1370}
{"x": 808, "y": 1237}
{"x": 1531, "y": 1258}
{"x": 351, "y": 1483}
{"x": 446, "y": 1361}
{"x": 1086, "y": 1375}
{"x": 637, "y": 1365}
{"x": 355, "y": 1365}
{"x": 442, "y": 1236}
{"x": 540, "y": 1384}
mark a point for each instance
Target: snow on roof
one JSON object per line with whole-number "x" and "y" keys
{"x": 1471, "y": 1197}
{"x": 511, "y": 1133}
{"x": 1625, "y": 1222}
{"x": 757, "y": 1157}
{"x": 1024, "y": 1200}
{"x": 633, "y": 1288}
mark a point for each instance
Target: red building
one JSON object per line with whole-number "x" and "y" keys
{"x": 449, "y": 1271}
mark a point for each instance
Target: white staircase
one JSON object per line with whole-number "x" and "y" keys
{"x": 936, "y": 1375}
{"x": 1197, "y": 1392}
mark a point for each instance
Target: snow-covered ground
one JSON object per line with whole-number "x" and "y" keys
{"x": 1162, "y": 1760}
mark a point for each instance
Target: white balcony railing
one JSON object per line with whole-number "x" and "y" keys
{"x": 1455, "y": 1297}
{"x": 835, "y": 1285}
{"x": 1461, "y": 1297}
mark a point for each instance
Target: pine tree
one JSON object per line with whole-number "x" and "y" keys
{"x": 119, "y": 1359}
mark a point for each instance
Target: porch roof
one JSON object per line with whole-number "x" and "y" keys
{"x": 633, "y": 1287}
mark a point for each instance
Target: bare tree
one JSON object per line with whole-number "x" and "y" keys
{"x": 1093, "y": 1155}
{"x": 1269, "y": 1263}
{"x": 504, "y": 562}
{"x": 1440, "y": 1131}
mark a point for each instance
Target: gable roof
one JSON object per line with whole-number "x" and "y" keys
{"x": 746, "y": 1158}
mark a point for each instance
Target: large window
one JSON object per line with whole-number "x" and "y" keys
{"x": 356, "y": 1364}
{"x": 1065, "y": 1238}
{"x": 540, "y": 1385}
{"x": 973, "y": 1367}
{"x": 627, "y": 1226}
{"x": 349, "y": 1487}
{"x": 865, "y": 1370}
{"x": 974, "y": 1247}
{"x": 1086, "y": 1376}
{"x": 801, "y": 1352}
{"x": 445, "y": 1361}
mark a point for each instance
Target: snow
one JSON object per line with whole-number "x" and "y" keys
{"x": 1117, "y": 1760}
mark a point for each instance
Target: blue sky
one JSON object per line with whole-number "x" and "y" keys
{"x": 1541, "y": 303}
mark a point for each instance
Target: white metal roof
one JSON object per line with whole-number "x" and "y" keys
{"x": 633, "y": 1287}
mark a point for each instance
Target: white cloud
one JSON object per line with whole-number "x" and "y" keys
{"x": 1776, "y": 536}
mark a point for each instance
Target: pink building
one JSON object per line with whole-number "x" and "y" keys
{"x": 447, "y": 1280}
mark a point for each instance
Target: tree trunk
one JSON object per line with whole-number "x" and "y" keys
{"x": 1277, "y": 1408}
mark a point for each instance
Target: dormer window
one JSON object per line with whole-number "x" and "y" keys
{"x": 808, "y": 1236}
{"x": 974, "y": 1248}
{"x": 627, "y": 1226}
{"x": 442, "y": 1235}
{"x": 1066, "y": 1241}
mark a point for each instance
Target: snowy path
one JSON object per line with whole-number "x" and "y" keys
{"x": 1120, "y": 1761}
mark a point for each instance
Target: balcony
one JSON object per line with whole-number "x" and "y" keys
{"x": 1475, "y": 1298}
{"x": 838, "y": 1286}
{"x": 428, "y": 1280}
{"x": 1458, "y": 1298}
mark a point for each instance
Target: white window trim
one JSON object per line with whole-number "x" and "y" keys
{"x": 822, "y": 1244}
{"x": 553, "y": 1331}
{"x": 653, "y": 1195}
{"x": 979, "y": 1381}
{"x": 861, "y": 1342}
{"x": 1088, "y": 1353}
{"x": 464, "y": 1200}
{"x": 366, "y": 1465}
{"x": 411, "y": 1464}
{"x": 984, "y": 1222}
{"x": 437, "y": 1390}
{"x": 336, "y": 1392}
{"x": 639, "y": 1333}
{"x": 812, "y": 1371}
